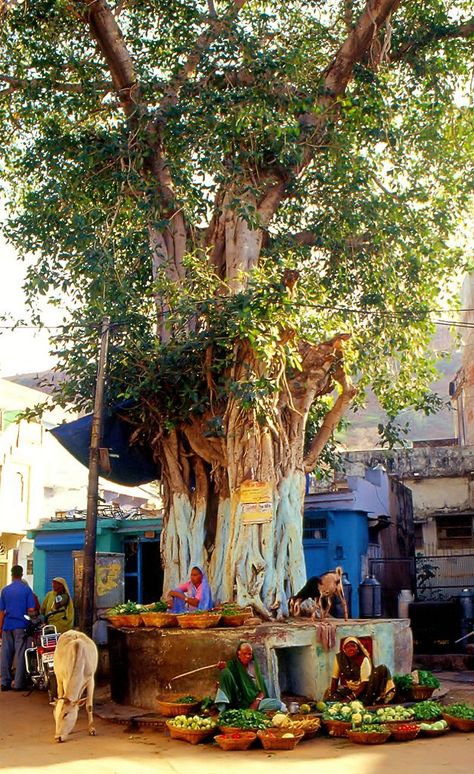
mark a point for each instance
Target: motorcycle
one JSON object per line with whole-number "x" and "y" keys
{"x": 39, "y": 658}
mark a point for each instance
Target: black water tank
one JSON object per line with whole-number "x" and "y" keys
{"x": 370, "y": 598}
{"x": 338, "y": 608}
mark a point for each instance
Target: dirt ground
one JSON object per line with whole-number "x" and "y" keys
{"x": 27, "y": 743}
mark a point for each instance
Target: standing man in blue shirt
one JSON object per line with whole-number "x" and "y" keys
{"x": 16, "y": 600}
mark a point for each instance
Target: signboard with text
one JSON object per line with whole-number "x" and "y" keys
{"x": 256, "y": 498}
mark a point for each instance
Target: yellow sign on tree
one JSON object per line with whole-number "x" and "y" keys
{"x": 256, "y": 498}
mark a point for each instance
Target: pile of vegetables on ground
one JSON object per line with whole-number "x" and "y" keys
{"x": 245, "y": 719}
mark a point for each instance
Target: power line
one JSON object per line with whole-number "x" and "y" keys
{"x": 401, "y": 315}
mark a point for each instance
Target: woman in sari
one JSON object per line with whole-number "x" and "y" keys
{"x": 355, "y": 676}
{"x": 57, "y": 607}
{"x": 195, "y": 594}
{"x": 242, "y": 686}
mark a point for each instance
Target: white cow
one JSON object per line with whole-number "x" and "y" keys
{"x": 75, "y": 663}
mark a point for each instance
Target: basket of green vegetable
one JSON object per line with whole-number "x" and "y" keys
{"x": 192, "y": 729}
{"x": 394, "y": 715}
{"x": 459, "y": 716}
{"x": 157, "y": 615}
{"x": 339, "y": 716}
{"x": 234, "y": 615}
{"x": 418, "y": 686}
{"x": 171, "y": 706}
{"x": 434, "y": 729}
{"x": 231, "y": 721}
{"x": 427, "y": 710}
{"x": 368, "y": 733}
{"x": 127, "y": 614}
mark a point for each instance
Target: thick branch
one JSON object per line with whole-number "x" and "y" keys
{"x": 212, "y": 450}
{"x": 331, "y": 421}
{"x": 336, "y": 77}
{"x": 108, "y": 35}
{"x": 437, "y": 33}
{"x": 339, "y": 72}
{"x": 214, "y": 30}
{"x": 43, "y": 83}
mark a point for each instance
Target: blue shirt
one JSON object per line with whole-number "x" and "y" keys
{"x": 15, "y": 600}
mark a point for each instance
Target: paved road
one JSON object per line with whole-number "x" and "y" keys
{"x": 27, "y": 743}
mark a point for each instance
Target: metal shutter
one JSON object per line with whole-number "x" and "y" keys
{"x": 59, "y": 563}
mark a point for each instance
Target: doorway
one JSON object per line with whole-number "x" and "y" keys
{"x": 296, "y": 670}
{"x": 143, "y": 570}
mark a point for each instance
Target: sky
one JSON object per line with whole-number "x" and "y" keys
{"x": 22, "y": 350}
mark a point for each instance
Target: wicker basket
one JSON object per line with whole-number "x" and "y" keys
{"x": 368, "y": 737}
{"x": 198, "y": 620}
{"x": 125, "y": 620}
{"x": 188, "y": 734}
{"x": 460, "y": 724}
{"x": 273, "y": 739}
{"x": 234, "y": 620}
{"x": 232, "y": 742}
{"x": 434, "y": 731}
{"x": 238, "y": 618}
{"x": 337, "y": 728}
{"x": 407, "y": 735}
{"x": 420, "y": 692}
{"x": 170, "y": 707}
{"x": 309, "y": 725}
{"x": 159, "y": 620}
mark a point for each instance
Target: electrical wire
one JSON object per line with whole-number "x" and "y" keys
{"x": 401, "y": 315}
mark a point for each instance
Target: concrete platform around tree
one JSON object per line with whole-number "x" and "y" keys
{"x": 143, "y": 661}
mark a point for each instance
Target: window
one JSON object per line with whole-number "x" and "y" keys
{"x": 315, "y": 528}
{"x": 419, "y": 543}
{"x": 454, "y": 530}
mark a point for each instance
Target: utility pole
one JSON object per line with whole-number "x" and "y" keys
{"x": 88, "y": 577}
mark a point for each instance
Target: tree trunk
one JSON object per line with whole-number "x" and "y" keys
{"x": 253, "y": 553}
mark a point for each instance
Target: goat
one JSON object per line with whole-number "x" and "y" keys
{"x": 321, "y": 589}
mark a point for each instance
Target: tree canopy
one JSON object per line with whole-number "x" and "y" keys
{"x": 263, "y": 196}
{"x": 376, "y": 177}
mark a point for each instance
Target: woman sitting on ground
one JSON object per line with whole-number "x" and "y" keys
{"x": 355, "y": 676}
{"x": 242, "y": 686}
{"x": 195, "y": 594}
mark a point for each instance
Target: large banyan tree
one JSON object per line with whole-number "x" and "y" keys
{"x": 262, "y": 196}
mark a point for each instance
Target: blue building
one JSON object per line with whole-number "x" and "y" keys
{"x": 342, "y": 524}
{"x": 138, "y": 539}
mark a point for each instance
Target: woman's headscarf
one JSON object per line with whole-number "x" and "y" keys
{"x": 359, "y": 645}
